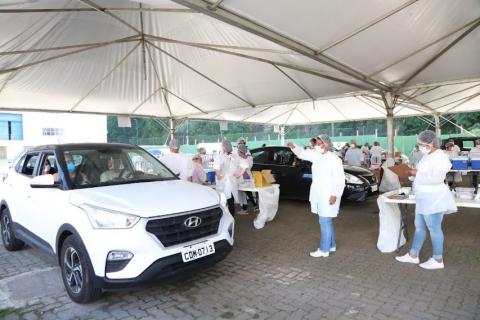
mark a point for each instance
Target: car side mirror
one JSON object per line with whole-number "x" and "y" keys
{"x": 44, "y": 181}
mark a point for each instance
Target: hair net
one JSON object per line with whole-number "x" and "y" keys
{"x": 202, "y": 150}
{"x": 429, "y": 137}
{"x": 241, "y": 140}
{"x": 197, "y": 157}
{"x": 227, "y": 146}
{"x": 242, "y": 148}
{"x": 174, "y": 144}
{"x": 326, "y": 141}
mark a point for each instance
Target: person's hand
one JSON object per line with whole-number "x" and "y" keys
{"x": 332, "y": 200}
{"x": 412, "y": 172}
{"x": 290, "y": 145}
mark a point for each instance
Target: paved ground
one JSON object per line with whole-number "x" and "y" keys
{"x": 269, "y": 275}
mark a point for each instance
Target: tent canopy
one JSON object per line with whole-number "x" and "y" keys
{"x": 274, "y": 61}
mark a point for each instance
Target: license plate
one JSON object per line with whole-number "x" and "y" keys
{"x": 374, "y": 188}
{"x": 197, "y": 251}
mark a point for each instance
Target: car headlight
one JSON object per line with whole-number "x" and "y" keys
{"x": 108, "y": 219}
{"x": 352, "y": 179}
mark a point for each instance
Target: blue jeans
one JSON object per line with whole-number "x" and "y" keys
{"x": 327, "y": 238}
{"x": 432, "y": 222}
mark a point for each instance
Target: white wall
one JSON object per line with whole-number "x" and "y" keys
{"x": 76, "y": 128}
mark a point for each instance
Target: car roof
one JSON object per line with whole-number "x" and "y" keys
{"x": 78, "y": 146}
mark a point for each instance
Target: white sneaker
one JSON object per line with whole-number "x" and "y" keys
{"x": 432, "y": 264}
{"x": 333, "y": 249}
{"x": 407, "y": 258}
{"x": 243, "y": 212}
{"x": 319, "y": 253}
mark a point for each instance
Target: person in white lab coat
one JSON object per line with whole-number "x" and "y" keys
{"x": 452, "y": 177}
{"x": 328, "y": 182}
{"x": 354, "y": 156}
{"x": 180, "y": 164}
{"x": 433, "y": 200}
{"x": 475, "y": 151}
{"x": 415, "y": 157}
{"x": 246, "y": 177}
{"x": 228, "y": 170}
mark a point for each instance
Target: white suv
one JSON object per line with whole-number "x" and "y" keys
{"x": 112, "y": 216}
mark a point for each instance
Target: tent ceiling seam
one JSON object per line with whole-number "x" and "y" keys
{"x": 453, "y": 93}
{"x": 338, "y": 110}
{"x": 455, "y": 101}
{"x": 47, "y": 10}
{"x": 285, "y": 65}
{"x": 159, "y": 79}
{"x": 200, "y": 73}
{"x": 294, "y": 81}
{"x": 95, "y": 6}
{"x": 428, "y": 45}
{"x": 463, "y": 102}
{"x": 105, "y": 77}
{"x": 368, "y": 25}
{"x": 253, "y": 27}
{"x": 65, "y": 55}
{"x": 443, "y": 51}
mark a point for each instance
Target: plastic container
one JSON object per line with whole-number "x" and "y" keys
{"x": 210, "y": 176}
{"x": 476, "y": 163}
{"x": 465, "y": 193}
{"x": 460, "y": 163}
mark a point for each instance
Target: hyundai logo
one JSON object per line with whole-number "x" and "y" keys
{"x": 192, "y": 222}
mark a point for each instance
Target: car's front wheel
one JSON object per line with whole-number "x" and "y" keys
{"x": 77, "y": 271}
{"x": 10, "y": 242}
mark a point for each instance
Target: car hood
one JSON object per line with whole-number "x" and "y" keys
{"x": 357, "y": 170}
{"x": 148, "y": 199}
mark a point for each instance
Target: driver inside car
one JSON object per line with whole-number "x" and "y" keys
{"x": 114, "y": 165}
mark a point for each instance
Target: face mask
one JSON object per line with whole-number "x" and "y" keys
{"x": 70, "y": 167}
{"x": 424, "y": 150}
{"x": 318, "y": 148}
{"x": 352, "y": 145}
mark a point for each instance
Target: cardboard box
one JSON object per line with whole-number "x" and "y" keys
{"x": 263, "y": 178}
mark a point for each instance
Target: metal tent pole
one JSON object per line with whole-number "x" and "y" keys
{"x": 436, "y": 116}
{"x": 390, "y": 107}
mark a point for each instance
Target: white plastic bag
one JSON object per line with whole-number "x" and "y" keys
{"x": 389, "y": 226}
{"x": 390, "y": 180}
{"x": 268, "y": 205}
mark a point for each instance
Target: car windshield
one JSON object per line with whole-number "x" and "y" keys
{"x": 112, "y": 166}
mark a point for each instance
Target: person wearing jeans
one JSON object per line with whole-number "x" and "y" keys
{"x": 433, "y": 199}
{"x": 432, "y": 223}
{"x": 327, "y": 238}
{"x": 328, "y": 183}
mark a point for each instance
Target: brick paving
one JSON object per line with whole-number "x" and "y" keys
{"x": 269, "y": 275}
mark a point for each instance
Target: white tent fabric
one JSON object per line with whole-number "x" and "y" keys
{"x": 274, "y": 61}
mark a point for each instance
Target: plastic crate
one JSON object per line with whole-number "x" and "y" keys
{"x": 460, "y": 163}
{"x": 476, "y": 163}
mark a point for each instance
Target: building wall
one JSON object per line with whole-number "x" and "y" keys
{"x": 53, "y": 128}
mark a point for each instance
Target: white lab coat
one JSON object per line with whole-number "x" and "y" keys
{"x": 181, "y": 164}
{"x": 328, "y": 179}
{"x": 354, "y": 157}
{"x": 475, "y": 151}
{"x": 415, "y": 158}
{"x": 228, "y": 165}
{"x": 432, "y": 195}
{"x": 247, "y": 162}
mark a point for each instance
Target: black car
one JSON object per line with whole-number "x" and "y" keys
{"x": 295, "y": 175}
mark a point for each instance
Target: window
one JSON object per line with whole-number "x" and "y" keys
{"x": 283, "y": 157}
{"x": 260, "y": 157}
{"x": 52, "y": 131}
{"x": 29, "y": 164}
{"x": 11, "y": 126}
{"x": 49, "y": 165}
{"x": 468, "y": 144}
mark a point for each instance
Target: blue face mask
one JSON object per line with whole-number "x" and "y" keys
{"x": 70, "y": 167}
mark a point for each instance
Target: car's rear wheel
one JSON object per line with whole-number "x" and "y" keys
{"x": 77, "y": 271}
{"x": 10, "y": 242}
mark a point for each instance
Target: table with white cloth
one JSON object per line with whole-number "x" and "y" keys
{"x": 393, "y": 218}
{"x": 267, "y": 201}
